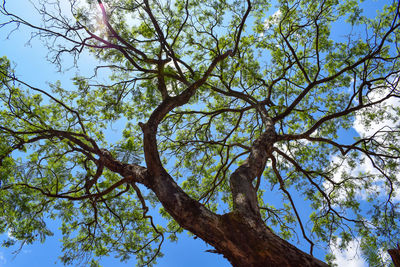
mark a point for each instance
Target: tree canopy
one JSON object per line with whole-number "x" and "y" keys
{"x": 226, "y": 105}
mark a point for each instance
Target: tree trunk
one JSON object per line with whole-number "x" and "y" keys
{"x": 250, "y": 243}
{"x": 241, "y": 235}
{"x": 395, "y": 254}
{"x": 241, "y": 238}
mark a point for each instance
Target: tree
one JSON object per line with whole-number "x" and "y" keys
{"x": 395, "y": 255}
{"x": 224, "y": 105}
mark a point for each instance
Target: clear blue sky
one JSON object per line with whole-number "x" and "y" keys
{"x": 32, "y": 67}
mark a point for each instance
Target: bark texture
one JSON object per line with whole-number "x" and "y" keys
{"x": 251, "y": 243}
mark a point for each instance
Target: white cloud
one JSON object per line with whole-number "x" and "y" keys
{"x": 341, "y": 168}
{"x": 350, "y": 257}
{"x": 375, "y": 128}
{"x": 366, "y": 130}
{"x": 389, "y": 118}
{"x": 365, "y": 168}
{"x": 273, "y": 20}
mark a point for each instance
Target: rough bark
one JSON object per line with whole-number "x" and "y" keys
{"x": 251, "y": 243}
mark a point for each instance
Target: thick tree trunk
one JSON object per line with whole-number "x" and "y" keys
{"x": 250, "y": 243}
{"x": 241, "y": 238}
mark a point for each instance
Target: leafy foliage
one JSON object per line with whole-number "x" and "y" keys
{"x": 209, "y": 75}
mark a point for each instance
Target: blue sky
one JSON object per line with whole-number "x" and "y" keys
{"x": 32, "y": 67}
